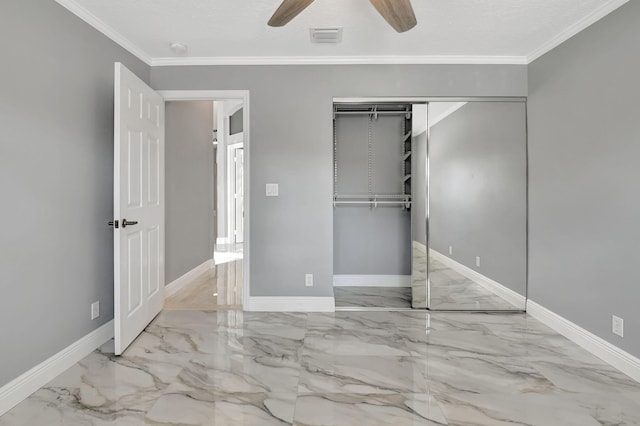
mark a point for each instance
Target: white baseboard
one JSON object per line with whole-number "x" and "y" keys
{"x": 517, "y": 300}
{"x": 179, "y": 283}
{"x": 609, "y": 353}
{"x": 20, "y": 388}
{"x": 372, "y": 280}
{"x": 291, "y": 304}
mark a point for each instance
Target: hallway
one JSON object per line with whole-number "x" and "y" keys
{"x": 220, "y": 288}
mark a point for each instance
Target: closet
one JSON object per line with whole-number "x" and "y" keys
{"x": 372, "y": 199}
{"x": 430, "y": 204}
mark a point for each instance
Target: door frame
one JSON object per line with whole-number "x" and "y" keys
{"x": 220, "y": 95}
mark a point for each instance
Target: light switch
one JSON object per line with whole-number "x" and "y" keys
{"x": 272, "y": 190}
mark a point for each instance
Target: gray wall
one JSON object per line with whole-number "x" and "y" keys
{"x": 370, "y": 241}
{"x": 584, "y": 147}
{"x": 188, "y": 186}
{"x": 478, "y": 190}
{"x": 56, "y": 180}
{"x": 291, "y": 131}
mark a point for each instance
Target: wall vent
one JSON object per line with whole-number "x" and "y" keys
{"x": 326, "y": 35}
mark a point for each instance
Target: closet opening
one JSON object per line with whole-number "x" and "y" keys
{"x": 372, "y": 200}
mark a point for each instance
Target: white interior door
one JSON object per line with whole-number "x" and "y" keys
{"x": 235, "y": 175}
{"x": 239, "y": 196}
{"x": 138, "y": 206}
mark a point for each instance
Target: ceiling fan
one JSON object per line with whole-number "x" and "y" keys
{"x": 398, "y": 13}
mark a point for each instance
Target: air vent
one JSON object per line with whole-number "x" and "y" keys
{"x": 326, "y": 35}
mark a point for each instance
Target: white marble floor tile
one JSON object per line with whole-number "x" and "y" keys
{"x": 343, "y": 368}
{"x": 350, "y": 320}
{"x": 367, "y": 342}
{"x": 358, "y": 410}
{"x": 513, "y": 409}
{"x": 243, "y": 373}
{"x": 228, "y": 410}
{"x": 367, "y": 375}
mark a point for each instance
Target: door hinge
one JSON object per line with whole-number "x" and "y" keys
{"x": 114, "y": 223}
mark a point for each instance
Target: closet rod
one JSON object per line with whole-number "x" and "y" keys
{"x": 399, "y": 202}
{"x": 373, "y": 113}
{"x": 373, "y": 200}
{"x": 372, "y": 196}
{"x": 371, "y": 204}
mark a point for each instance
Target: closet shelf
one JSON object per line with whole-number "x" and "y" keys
{"x": 406, "y": 156}
{"x": 407, "y": 135}
{"x": 406, "y": 177}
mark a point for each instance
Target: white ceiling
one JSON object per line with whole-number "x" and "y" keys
{"x": 236, "y": 31}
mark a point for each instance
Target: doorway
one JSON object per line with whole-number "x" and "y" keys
{"x": 372, "y": 205}
{"x": 228, "y": 262}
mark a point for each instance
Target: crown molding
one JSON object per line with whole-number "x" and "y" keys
{"x": 341, "y": 60}
{"x": 105, "y": 29}
{"x": 574, "y": 29}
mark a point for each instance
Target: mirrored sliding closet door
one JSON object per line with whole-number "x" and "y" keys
{"x": 476, "y": 211}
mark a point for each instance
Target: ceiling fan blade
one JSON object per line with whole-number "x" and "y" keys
{"x": 398, "y": 13}
{"x": 288, "y": 10}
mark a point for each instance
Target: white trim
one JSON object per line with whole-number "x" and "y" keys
{"x": 222, "y": 240}
{"x": 623, "y": 361}
{"x": 205, "y": 95}
{"x": 574, "y": 29}
{"x": 216, "y": 95}
{"x": 291, "y": 304}
{"x": 495, "y": 287}
{"x": 97, "y": 23}
{"x": 372, "y": 280}
{"x": 341, "y": 60}
{"x": 21, "y": 387}
{"x": 179, "y": 283}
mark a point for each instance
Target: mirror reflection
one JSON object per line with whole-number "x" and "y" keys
{"x": 477, "y": 209}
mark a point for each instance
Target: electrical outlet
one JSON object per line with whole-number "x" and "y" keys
{"x": 450, "y": 249}
{"x": 478, "y": 261}
{"x": 95, "y": 310}
{"x": 272, "y": 190}
{"x": 618, "y": 326}
{"x": 308, "y": 280}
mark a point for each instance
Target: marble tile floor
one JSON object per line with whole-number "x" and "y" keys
{"x": 343, "y": 368}
{"x": 220, "y": 288}
{"x": 372, "y": 297}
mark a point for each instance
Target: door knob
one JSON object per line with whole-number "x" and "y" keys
{"x": 125, "y": 222}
